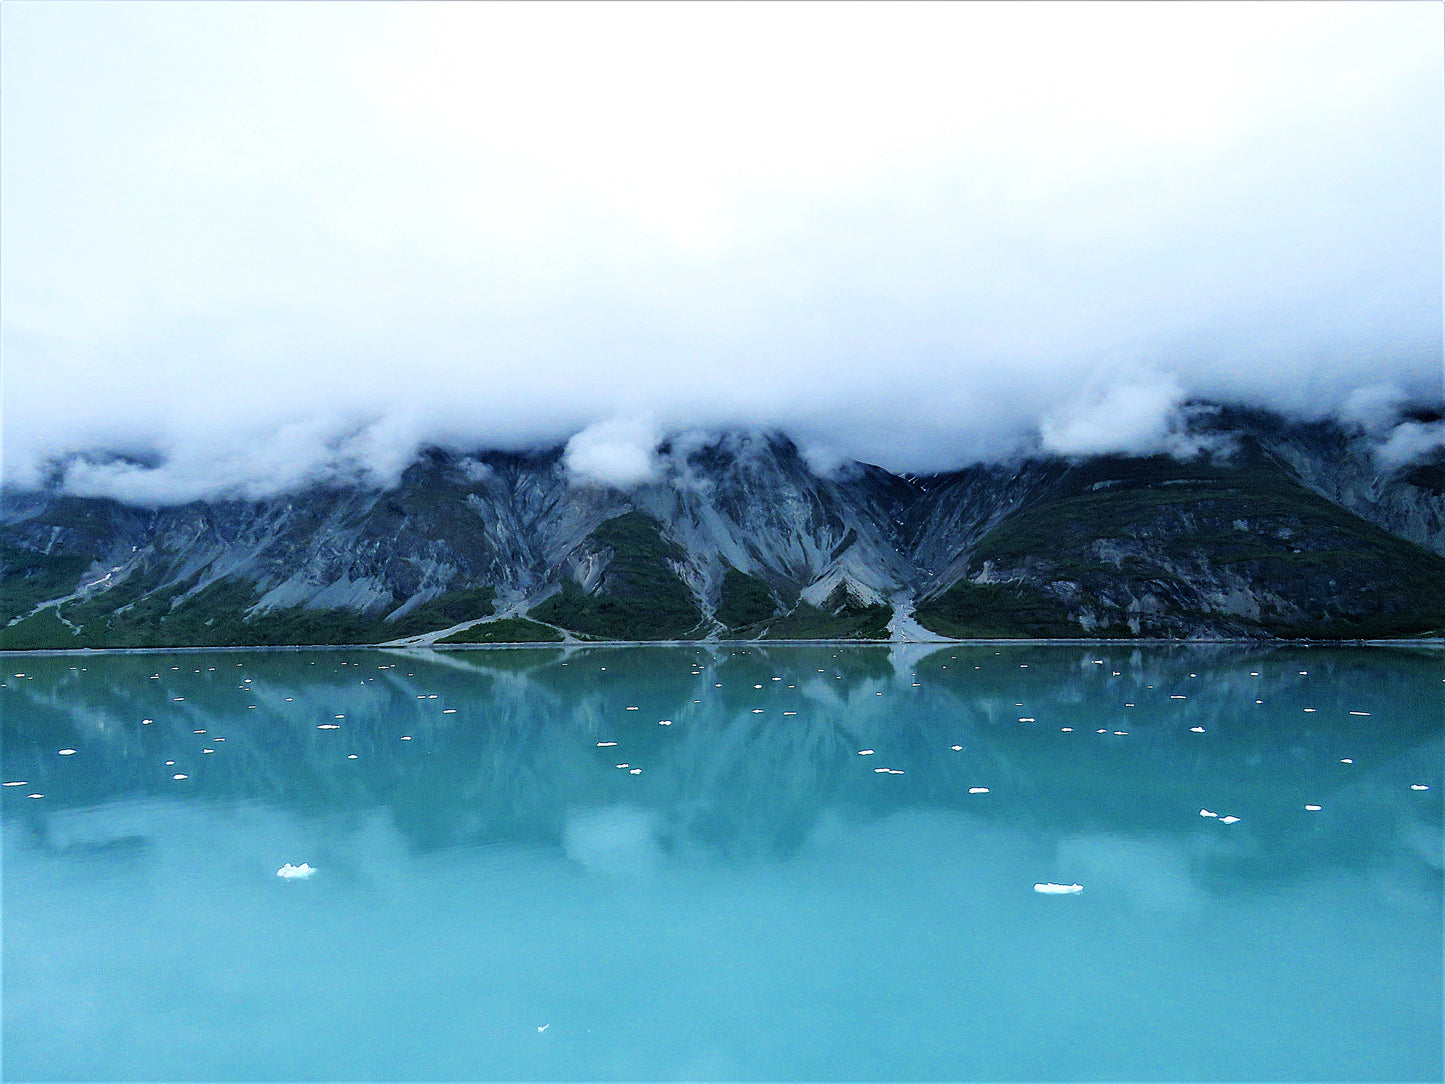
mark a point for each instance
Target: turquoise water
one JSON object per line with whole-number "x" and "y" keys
{"x": 734, "y": 889}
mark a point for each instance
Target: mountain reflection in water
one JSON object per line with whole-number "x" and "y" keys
{"x": 721, "y": 861}
{"x": 757, "y": 744}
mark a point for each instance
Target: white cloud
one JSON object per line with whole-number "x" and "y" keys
{"x": 1376, "y": 407}
{"x": 313, "y": 237}
{"x": 1139, "y": 414}
{"x": 1411, "y": 442}
{"x": 621, "y": 453}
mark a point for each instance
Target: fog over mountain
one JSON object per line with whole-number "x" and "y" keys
{"x": 247, "y": 248}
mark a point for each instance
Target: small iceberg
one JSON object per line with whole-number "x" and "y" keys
{"x": 291, "y": 872}
{"x": 1051, "y": 889}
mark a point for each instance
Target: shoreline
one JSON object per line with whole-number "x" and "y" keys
{"x": 84, "y": 652}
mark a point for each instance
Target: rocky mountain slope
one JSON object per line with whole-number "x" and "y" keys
{"x": 1277, "y": 530}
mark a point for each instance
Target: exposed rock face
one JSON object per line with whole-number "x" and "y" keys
{"x": 1286, "y": 530}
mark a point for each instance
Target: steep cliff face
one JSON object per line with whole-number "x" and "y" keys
{"x": 1288, "y": 530}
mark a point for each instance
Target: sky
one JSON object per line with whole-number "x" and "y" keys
{"x": 248, "y": 247}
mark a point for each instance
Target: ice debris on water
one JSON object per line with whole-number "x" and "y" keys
{"x": 1051, "y": 889}
{"x": 291, "y": 872}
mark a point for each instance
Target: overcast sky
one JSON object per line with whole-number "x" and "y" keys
{"x": 264, "y": 243}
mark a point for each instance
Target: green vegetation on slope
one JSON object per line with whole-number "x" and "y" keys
{"x": 1177, "y": 530}
{"x": 506, "y": 630}
{"x": 28, "y": 578}
{"x": 839, "y": 618}
{"x": 640, "y": 596}
{"x": 1001, "y": 610}
{"x": 745, "y": 600}
{"x": 137, "y": 614}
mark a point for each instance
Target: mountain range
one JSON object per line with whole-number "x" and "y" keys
{"x": 1269, "y": 528}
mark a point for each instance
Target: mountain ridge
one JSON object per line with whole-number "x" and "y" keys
{"x": 1274, "y": 529}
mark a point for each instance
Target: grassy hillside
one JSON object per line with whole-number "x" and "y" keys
{"x": 640, "y": 597}
{"x": 1174, "y": 545}
{"x": 839, "y": 618}
{"x": 134, "y": 614}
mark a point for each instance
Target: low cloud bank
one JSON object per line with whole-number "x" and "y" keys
{"x": 916, "y": 235}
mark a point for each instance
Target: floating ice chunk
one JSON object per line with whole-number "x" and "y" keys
{"x": 978, "y": 790}
{"x": 291, "y": 872}
{"x": 1207, "y": 813}
{"x": 1228, "y": 820}
{"x": 1051, "y": 889}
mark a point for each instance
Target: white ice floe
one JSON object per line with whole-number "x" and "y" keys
{"x": 291, "y": 872}
{"x": 1051, "y": 889}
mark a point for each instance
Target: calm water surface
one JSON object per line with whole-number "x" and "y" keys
{"x": 780, "y": 863}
